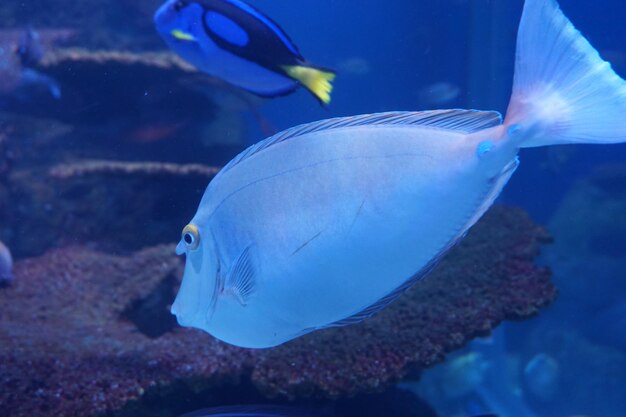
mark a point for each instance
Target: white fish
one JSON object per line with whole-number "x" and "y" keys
{"x": 324, "y": 224}
{"x": 541, "y": 376}
{"x": 440, "y": 93}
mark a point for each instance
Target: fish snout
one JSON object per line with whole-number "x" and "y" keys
{"x": 183, "y": 318}
{"x": 187, "y": 314}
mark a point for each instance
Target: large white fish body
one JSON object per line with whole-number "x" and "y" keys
{"x": 324, "y": 224}
{"x": 335, "y": 218}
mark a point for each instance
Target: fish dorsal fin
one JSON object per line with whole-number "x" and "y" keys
{"x": 241, "y": 279}
{"x": 462, "y": 121}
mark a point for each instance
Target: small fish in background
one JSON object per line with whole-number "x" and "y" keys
{"x": 30, "y": 50}
{"x": 20, "y": 52}
{"x": 354, "y": 66}
{"x": 253, "y": 411}
{"x": 463, "y": 374}
{"x": 6, "y": 265}
{"x": 438, "y": 94}
{"x": 541, "y": 376}
{"x": 156, "y": 132}
{"x": 232, "y": 40}
{"x": 234, "y": 100}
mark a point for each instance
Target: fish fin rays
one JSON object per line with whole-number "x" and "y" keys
{"x": 241, "y": 279}
{"x": 562, "y": 84}
{"x": 318, "y": 81}
{"x": 462, "y": 121}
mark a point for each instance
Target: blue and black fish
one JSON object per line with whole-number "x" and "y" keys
{"x": 232, "y": 40}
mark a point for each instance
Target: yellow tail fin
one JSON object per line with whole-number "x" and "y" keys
{"x": 317, "y": 81}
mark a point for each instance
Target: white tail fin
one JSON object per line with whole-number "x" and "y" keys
{"x": 563, "y": 91}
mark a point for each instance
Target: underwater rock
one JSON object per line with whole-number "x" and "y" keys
{"x": 102, "y": 23}
{"x": 84, "y": 332}
{"x": 106, "y": 205}
{"x": 144, "y": 98}
{"x": 591, "y": 227}
{"x": 140, "y": 97}
{"x": 132, "y": 88}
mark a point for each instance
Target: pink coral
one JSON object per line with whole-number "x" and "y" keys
{"x": 70, "y": 339}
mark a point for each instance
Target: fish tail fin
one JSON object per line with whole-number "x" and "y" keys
{"x": 563, "y": 92}
{"x": 317, "y": 80}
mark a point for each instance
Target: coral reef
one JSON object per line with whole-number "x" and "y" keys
{"x": 103, "y": 24}
{"x": 141, "y": 97}
{"x": 92, "y": 167}
{"x": 113, "y": 206}
{"x": 81, "y": 56}
{"x": 124, "y": 108}
{"x": 132, "y": 87}
{"x": 88, "y": 333}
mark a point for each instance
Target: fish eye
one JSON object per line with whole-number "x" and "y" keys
{"x": 179, "y": 5}
{"x": 191, "y": 236}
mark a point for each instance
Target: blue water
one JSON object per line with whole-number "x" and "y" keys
{"x": 388, "y": 55}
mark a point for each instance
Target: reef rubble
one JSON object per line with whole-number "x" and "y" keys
{"x": 104, "y": 167}
{"x": 88, "y": 333}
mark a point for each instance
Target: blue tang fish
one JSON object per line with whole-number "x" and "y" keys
{"x": 232, "y": 40}
{"x": 326, "y": 223}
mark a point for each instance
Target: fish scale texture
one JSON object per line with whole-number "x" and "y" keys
{"x": 65, "y": 349}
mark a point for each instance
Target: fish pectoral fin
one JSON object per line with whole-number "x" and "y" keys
{"x": 241, "y": 279}
{"x": 183, "y": 36}
{"x": 317, "y": 81}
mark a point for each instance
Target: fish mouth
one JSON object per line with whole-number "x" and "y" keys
{"x": 187, "y": 318}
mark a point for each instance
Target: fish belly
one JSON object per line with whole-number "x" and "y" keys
{"x": 237, "y": 71}
{"x": 339, "y": 220}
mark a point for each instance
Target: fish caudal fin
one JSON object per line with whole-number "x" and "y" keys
{"x": 563, "y": 91}
{"x": 317, "y": 81}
